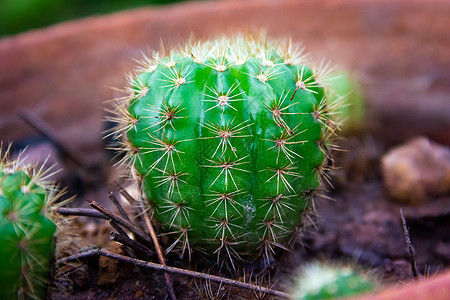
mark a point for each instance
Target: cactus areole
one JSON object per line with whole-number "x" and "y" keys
{"x": 228, "y": 139}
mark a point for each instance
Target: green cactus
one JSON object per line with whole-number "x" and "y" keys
{"x": 26, "y": 228}
{"x": 228, "y": 139}
{"x": 348, "y": 93}
{"x": 320, "y": 281}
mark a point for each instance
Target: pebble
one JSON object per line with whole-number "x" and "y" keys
{"x": 416, "y": 171}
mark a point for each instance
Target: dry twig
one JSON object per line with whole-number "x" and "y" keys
{"x": 118, "y": 206}
{"x": 119, "y": 220}
{"x": 125, "y": 240}
{"x": 173, "y": 270}
{"x": 412, "y": 254}
{"x": 50, "y": 134}
{"x": 121, "y": 237}
{"x": 82, "y": 212}
{"x": 152, "y": 232}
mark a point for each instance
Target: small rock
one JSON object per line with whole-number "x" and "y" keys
{"x": 416, "y": 170}
{"x": 112, "y": 271}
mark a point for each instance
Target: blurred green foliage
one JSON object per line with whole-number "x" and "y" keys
{"x": 20, "y": 15}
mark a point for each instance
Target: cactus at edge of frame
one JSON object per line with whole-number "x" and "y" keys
{"x": 229, "y": 139}
{"x": 26, "y": 227}
{"x": 319, "y": 281}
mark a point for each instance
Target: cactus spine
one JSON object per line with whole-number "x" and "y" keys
{"x": 26, "y": 228}
{"x": 228, "y": 139}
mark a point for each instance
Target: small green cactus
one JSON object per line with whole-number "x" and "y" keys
{"x": 348, "y": 93}
{"x": 26, "y": 228}
{"x": 320, "y": 281}
{"x": 229, "y": 139}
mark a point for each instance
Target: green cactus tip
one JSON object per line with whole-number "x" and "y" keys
{"x": 26, "y": 227}
{"x": 320, "y": 281}
{"x": 229, "y": 139}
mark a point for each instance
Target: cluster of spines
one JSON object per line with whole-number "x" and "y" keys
{"x": 224, "y": 157}
{"x": 26, "y": 224}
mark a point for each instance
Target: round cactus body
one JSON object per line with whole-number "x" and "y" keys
{"x": 228, "y": 139}
{"x": 26, "y": 231}
{"x": 321, "y": 281}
